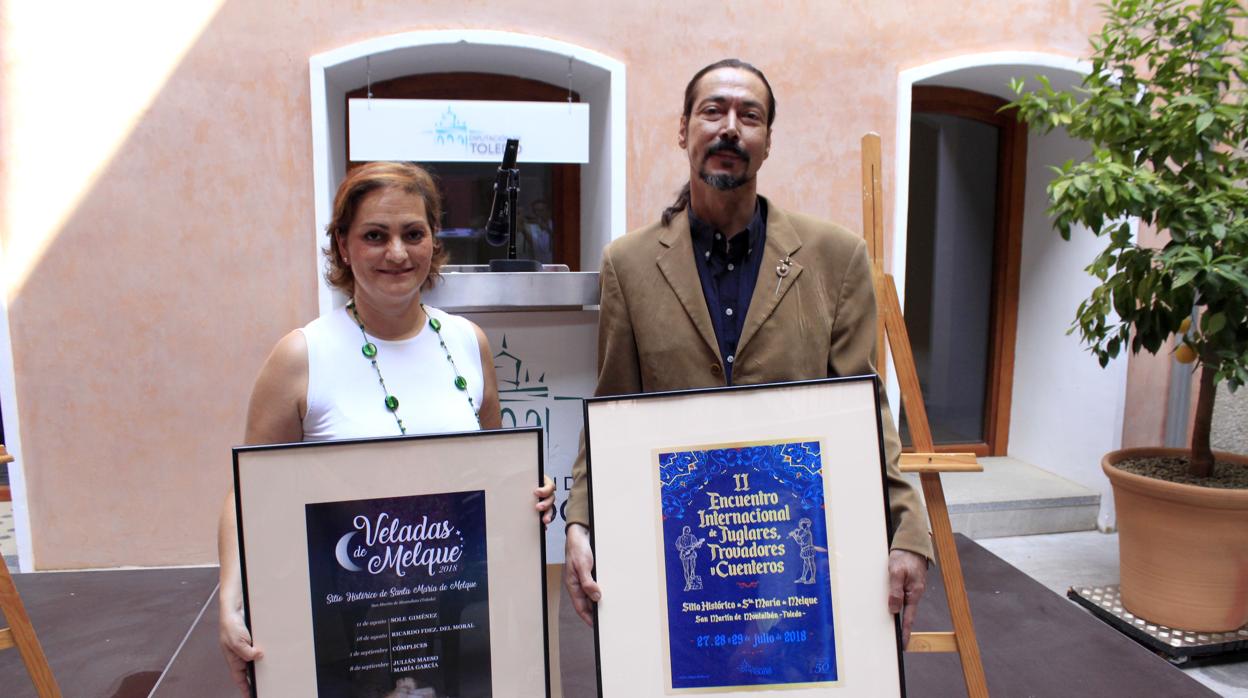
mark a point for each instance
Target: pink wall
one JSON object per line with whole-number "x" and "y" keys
{"x": 138, "y": 333}
{"x": 1148, "y": 380}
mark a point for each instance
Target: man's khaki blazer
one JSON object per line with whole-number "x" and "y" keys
{"x": 655, "y": 332}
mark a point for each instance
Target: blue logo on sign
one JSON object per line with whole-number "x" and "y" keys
{"x": 450, "y": 130}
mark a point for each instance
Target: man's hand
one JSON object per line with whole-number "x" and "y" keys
{"x": 907, "y": 580}
{"x": 578, "y": 578}
{"x": 546, "y": 500}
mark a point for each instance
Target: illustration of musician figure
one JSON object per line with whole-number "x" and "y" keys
{"x": 688, "y": 545}
{"x": 806, "y": 540}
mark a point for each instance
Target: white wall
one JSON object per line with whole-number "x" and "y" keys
{"x": 1067, "y": 411}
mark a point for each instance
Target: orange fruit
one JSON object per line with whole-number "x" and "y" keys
{"x": 1185, "y": 325}
{"x": 1185, "y": 354}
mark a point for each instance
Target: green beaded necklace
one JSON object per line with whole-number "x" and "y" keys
{"x": 392, "y": 403}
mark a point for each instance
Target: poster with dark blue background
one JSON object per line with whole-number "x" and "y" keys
{"x": 745, "y": 557}
{"x": 400, "y": 602}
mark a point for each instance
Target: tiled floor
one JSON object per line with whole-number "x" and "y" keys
{"x": 8, "y": 540}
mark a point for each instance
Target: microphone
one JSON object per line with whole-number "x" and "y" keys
{"x": 497, "y": 228}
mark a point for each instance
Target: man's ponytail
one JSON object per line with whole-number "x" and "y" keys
{"x": 680, "y": 204}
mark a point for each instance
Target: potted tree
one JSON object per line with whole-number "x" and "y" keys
{"x": 1164, "y": 111}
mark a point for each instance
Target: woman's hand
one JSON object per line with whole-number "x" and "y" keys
{"x": 546, "y": 500}
{"x": 236, "y": 645}
{"x": 232, "y": 633}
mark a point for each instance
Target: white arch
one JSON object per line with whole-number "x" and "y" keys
{"x": 906, "y": 80}
{"x": 1000, "y": 61}
{"x": 599, "y": 80}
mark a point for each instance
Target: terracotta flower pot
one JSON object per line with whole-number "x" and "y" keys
{"x": 1183, "y": 549}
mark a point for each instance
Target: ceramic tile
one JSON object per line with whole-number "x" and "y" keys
{"x": 8, "y": 537}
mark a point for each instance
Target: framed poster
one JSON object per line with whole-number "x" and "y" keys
{"x": 406, "y": 566}
{"x": 744, "y": 544}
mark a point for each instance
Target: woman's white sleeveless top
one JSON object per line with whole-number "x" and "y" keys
{"x": 345, "y": 400}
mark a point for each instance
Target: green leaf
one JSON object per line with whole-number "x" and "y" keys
{"x": 1203, "y": 121}
{"x": 1185, "y": 277}
{"x": 1238, "y": 278}
{"x": 1059, "y": 188}
{"x": 1214, "y": 323}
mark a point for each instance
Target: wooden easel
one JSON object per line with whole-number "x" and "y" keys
{"x": 928, "y": 464}
{"x": 20, "y": 633}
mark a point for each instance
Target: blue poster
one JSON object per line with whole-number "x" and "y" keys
{"x": 400, "y": 602}
{"x": 749, "y": 599}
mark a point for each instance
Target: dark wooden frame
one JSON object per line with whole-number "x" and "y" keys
{"x": 1007, "y": 251}
{"x": 565, "y": 179}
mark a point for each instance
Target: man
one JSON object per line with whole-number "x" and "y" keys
{"x": 806, "y": 548}
{"x": 687, "y": 544}
{"x": 727, "y": 289}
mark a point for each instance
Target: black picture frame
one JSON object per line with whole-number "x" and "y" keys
{"x": 278, "y": 489}
{"x": 624, "y": 436}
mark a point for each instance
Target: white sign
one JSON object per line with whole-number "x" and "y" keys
{"x": 440, "y": 130}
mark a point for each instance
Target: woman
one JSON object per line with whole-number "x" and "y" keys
{"x": 384, "y": 365}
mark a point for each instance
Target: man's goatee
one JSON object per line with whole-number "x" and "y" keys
{"x": 723, "y": 182}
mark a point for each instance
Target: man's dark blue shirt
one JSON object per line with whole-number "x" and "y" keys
{"x": 728, "y": 268}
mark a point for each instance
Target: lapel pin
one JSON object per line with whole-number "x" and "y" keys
{"x": 782, "y": 270}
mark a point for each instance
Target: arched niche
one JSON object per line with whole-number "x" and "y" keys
{"x": 597, "y": 78}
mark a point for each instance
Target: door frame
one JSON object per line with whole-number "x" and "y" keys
{"x": 987, "y": 71}
{"x": 1007, "y": 250}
